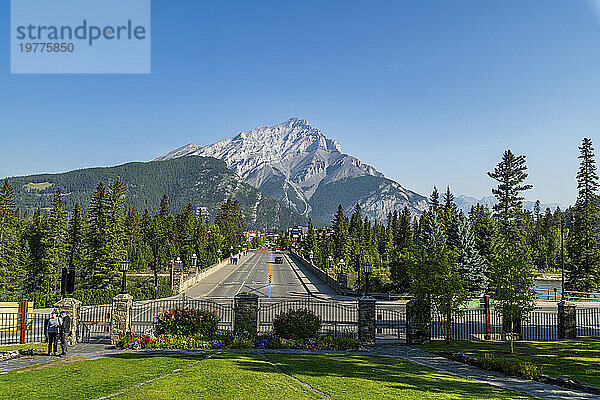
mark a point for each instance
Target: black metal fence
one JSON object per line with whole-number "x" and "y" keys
{"x": 588, "y": 321}
{"x": 94, "y": 322}
{"x": 390, "y": 322}
{"x": 541, "y": 324}
{"x": 144, "y": 314}
{"x": 12, "y": 331}
{"x": 336, "y": 317}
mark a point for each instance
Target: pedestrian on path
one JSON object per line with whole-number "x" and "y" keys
{"x": 52, "y": 330}
{"x": 65, "y": 332}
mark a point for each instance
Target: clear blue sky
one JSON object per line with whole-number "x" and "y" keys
{"x": 428, "y": 92}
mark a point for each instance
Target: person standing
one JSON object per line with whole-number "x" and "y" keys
{"x": 52, "y": 330}
{"x": 65, "y": 332}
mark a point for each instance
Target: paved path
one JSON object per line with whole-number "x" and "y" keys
{"x": 421, "y": 357}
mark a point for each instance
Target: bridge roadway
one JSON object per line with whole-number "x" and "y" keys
{"x": 251, "y": 274}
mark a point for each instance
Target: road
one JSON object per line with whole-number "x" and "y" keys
{"x": 251, "y": 274}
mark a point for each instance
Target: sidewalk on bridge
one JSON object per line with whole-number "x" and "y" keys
{"x": 534, "y": 388}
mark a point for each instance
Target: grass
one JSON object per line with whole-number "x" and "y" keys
{"x": 40, "y": 346}
{"x": 243, "y": 376}
{"x": 574, "y": 358}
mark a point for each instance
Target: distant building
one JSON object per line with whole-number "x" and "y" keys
{"x": 298, "y": 233}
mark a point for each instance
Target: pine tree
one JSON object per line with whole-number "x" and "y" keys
{"x": 510, "y": 173}
{"x": 584, "y": 239}
{"x": 99, "y": 272}
{"x": 9, "y": 237}
{"x": 472, "y": 266}
{"x": 54, "y": 243}
{"x": 77, "y": 244}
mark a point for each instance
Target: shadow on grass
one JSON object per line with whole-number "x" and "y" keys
{"x": 573, "y": 358}
{"x": 370, "y": 374}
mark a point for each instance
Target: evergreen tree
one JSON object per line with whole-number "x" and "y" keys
{"x": 77, "y": 234}
{"x": 510, "y": 173}
{"x": 584, "y": 240}
{"x": 99, "y": 273}
{"x": 472, "y": 266}
{"x": 9, "y": 237}
{"x": 54, "y": 243}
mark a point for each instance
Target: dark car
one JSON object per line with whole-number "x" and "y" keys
{"x": 278, "y": 260}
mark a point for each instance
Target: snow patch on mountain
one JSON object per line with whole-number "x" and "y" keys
{"x": 291, "y": 160}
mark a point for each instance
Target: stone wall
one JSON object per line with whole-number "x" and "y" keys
{"x": 567, "y": 323}
{"x": 418, "y": 322}
{"x": 188, "y": 280}
{"x": 366, "y": 320}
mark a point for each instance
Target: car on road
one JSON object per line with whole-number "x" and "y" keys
{"x": 278, "y": 260}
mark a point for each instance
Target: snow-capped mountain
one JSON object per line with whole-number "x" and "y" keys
{"x": 303, "y": 169}
{"x": 466, "y": 202}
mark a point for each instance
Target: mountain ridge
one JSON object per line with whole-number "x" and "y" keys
{"x": 293, "y": 161}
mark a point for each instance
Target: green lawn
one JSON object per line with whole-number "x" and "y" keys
{"x": 243, "y": 376}
{"x": 40, "y": 346}
{"x": 575, "y": 358}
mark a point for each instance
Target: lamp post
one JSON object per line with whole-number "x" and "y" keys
{"x": 341, "y": 264}
{"x": 219, "y": 255}
{"x": 562, "y": 261}
{"x": 124, "y": 268}
{"x": 178, "y": 264}
{"x": 367, "y": 270}
{"x": 310, "y": 255}
{"x": 194, "y": 262}
{"x": 330, "y": 259}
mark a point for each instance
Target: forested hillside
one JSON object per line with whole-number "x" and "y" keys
{"x": 202, "y": 181}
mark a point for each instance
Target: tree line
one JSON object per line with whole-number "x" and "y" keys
{"x": 445, "y": 256}
{"x": 35, "y": 248}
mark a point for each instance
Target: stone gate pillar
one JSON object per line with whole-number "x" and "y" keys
{"x": 418, "y": 322}
{"x": 245, "y": 309}
{"x": 567, "y": 322}
{"x": 120, "y": 316}
{"x": 73, "y": 308}
{"x": 366, "y": 320}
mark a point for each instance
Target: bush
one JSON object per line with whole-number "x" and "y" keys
{"x": 329, "y": 342}
{"x": 297, "y": 324}
{"x": 510, "y": 366}
{"x": 187, "y": 322}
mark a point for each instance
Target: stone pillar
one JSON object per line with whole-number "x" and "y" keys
{"x": 73, "y": 308}
{"x": 366, "y": 320}
{"x": 245, "y": 309}
{"x": 418, "y": 322}
{"x": 177, "y": 279}
{"x": 342, "y": 280}
{"x": 567, "y": 323}
{"x": 120, "y": 317}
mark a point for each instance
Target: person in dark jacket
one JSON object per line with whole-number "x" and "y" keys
{"x": 65, "y": 332}
{"x": 52, "y": 330}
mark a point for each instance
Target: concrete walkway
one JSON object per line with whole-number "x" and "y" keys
{"x": 408, "y": 353}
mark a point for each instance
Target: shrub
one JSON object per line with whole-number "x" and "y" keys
{"x": 297, "y": 324}
{"x": 330, "y": 342}
{"x": 187, "y": 322}
{"x": 510, "y": 366}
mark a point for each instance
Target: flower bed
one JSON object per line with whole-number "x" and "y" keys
{"x": 230, "y": 340}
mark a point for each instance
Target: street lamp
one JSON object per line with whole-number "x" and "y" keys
{"x": 194, "y": 262}
{"x": 330, "y": 260}
{"x": 178, "y": 264}
{"x": 311, "y": 254}
{"x": 124, "y": 268}
{"x": 341, "y": 264}
{"x": 367, "y": 270}
{"x": 219, "y": 256}
{"x": 562, "y": 260}
{"x": 231, "y": 250}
